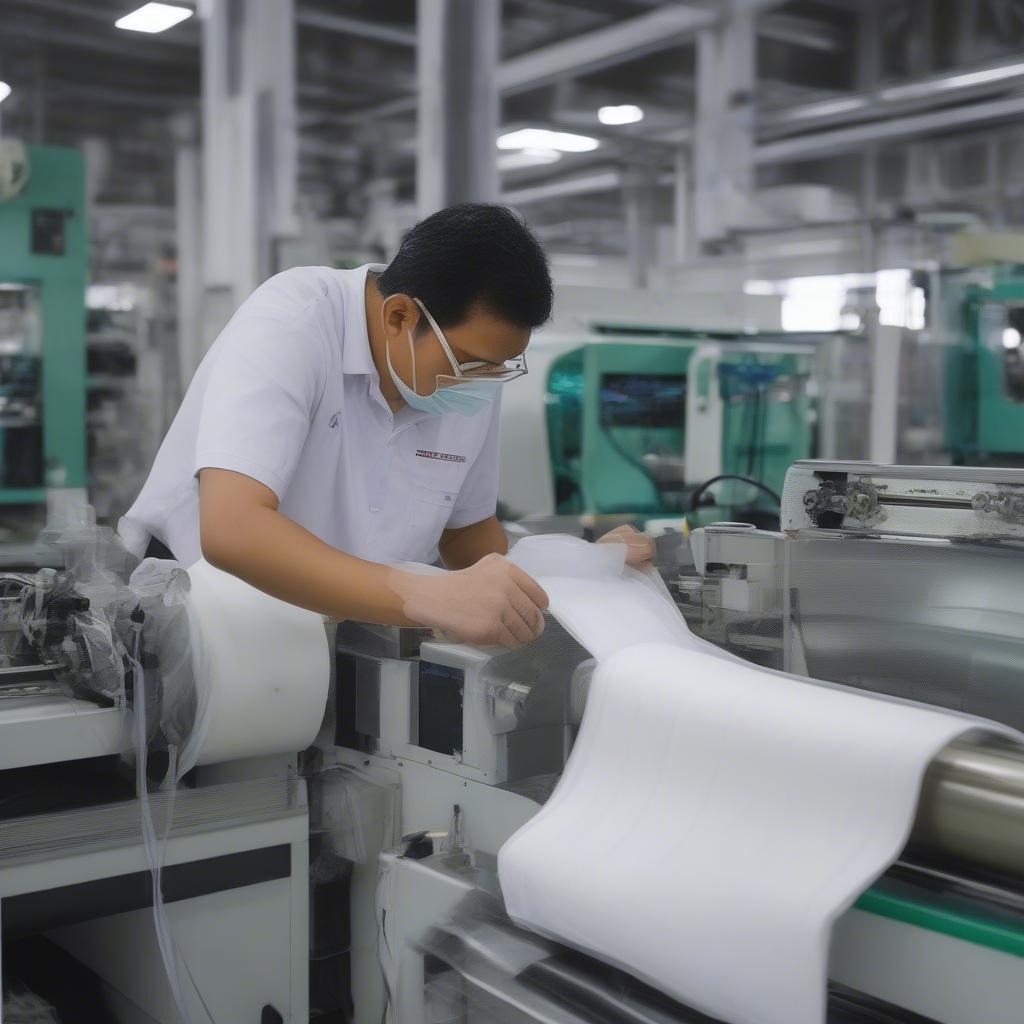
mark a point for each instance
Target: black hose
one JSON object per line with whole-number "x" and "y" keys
{"x": 695, "y": 497}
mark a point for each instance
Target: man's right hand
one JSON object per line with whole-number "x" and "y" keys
{"x": 491, "y": 604}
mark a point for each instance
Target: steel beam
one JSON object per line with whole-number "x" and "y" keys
{"x": 356, "y": 27}
{"x": 842, "y": 140}
{"x": 890, "y": 101}
{"x": 803, "y": 32}
{"x": 563, "y": 188}
{"x": 604, "y": 47}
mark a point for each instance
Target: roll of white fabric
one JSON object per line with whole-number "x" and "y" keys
{"x": 715, "y": 818}
{"x": 262, "y": 670}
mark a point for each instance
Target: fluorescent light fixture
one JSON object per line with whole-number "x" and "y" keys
{"x": 1011, "y": 338}
{"x": 515, "y": 161}
{"x": 625, "y": 113}
{"x": 153, "y": 18}
{"x": 542, "y": 138}
{"x": 5, "y": 91}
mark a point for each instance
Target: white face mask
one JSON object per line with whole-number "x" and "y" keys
{"x": 466, "y": 398}
{"x": 464, "y": 395}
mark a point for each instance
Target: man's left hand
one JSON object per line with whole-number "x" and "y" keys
{"x": 639, "y": 547}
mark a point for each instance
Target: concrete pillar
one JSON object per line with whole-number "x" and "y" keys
{"x": 457, "y": 126}
{"x": 250, "y": 151}
{"x": 724, "y": 135}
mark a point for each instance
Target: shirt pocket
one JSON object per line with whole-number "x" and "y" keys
{"x": 430, "y": 506}
{"x": 431, "y": 494}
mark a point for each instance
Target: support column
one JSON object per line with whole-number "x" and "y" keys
{"x": 885, "y": 394}
{"x": 682, "y": 207}
{"x": 639, "y": 187}
{"x": 249, "y": 149}
{"x": 188, "y": 228}
{"x": 869, "y": 47}
{"x": 724, "y": 136}
{"x": 457, "y": 125}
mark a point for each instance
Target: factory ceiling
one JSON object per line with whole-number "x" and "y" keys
{"x": 822, "y": 65}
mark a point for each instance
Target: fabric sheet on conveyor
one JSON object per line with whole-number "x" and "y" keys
{"x": 715, "y": 818}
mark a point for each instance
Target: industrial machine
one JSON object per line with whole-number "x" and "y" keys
{"x": 984, "y": 367}
{"x": 904, "y": 581}
{"x": 43, "y": 262}
{"x": 78, "y": 648}
{"x": 630, "y": 414}
{"x": 383, "y": 896}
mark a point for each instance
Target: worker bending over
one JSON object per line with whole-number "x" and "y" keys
{"x": 346, "y": 421}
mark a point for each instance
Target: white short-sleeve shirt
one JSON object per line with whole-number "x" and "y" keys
{"x": 289, "y": 396}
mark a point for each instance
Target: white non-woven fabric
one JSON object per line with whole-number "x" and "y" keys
{"x": 263, "y": 668}
{"x": 714, "y": 818}
{"x": 600, "y": 601}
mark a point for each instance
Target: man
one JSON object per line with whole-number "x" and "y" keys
{"x": 345, "y": 422}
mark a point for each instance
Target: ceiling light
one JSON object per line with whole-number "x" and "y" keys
{"x": 153, "y": 18}
{"x": 5, "y": 91}
{"x": 625, "y": 113}
{"x": 527, "y": 158}
{"x": 1011, "y": 338}
{"x": 542, "y": 138}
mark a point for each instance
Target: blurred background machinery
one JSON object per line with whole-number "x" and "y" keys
{"x": 43, "y": 271}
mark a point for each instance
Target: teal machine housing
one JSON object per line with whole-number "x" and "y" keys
{"x": 617, "y": 417}
{"x": 984, "y": 369}
{"x": 43, "y": 260}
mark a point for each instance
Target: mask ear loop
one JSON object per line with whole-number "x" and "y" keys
{"x": 412, "y": 357}
{"x": 387, "y": 346}
{"x": 439, "y": 334}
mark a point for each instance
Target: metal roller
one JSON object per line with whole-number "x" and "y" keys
{"x": 972, "y": 805}
{"x": 971, "y": 808}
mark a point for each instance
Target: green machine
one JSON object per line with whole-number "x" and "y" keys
{"x": 43, "y": 260}
{"x": 984, "y": 369}
{"x": 637, "y": 425}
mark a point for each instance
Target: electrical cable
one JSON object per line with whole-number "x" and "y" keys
{"x": 695, "y": 497}
{"x": 155, "y": 845}
{"x": 385, "y": 956}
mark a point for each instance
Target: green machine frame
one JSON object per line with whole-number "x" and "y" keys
{"x": 614, "y": 430}
{"x": 984, "y": 380}
{"x": 43, "y": 247}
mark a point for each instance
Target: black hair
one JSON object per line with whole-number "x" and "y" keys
{"x": 469, "y": 255}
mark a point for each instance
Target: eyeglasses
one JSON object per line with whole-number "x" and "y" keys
{"x": 501, "y": 373}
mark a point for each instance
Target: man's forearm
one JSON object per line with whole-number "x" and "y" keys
{"x": 466, "y": 546}
{"x": 276, "y": 555}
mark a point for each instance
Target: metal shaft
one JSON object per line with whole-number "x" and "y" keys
{"x": 972, "y": 805}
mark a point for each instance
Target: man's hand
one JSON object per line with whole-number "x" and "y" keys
{"x": 639, "y": 547}
{"x": 493, "y": 603}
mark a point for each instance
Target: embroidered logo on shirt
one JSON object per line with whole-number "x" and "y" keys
{"x": 334, "y": 420}
{"x": 441, "y": 456}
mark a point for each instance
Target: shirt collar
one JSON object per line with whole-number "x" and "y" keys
{"x": 356, "y": 356}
